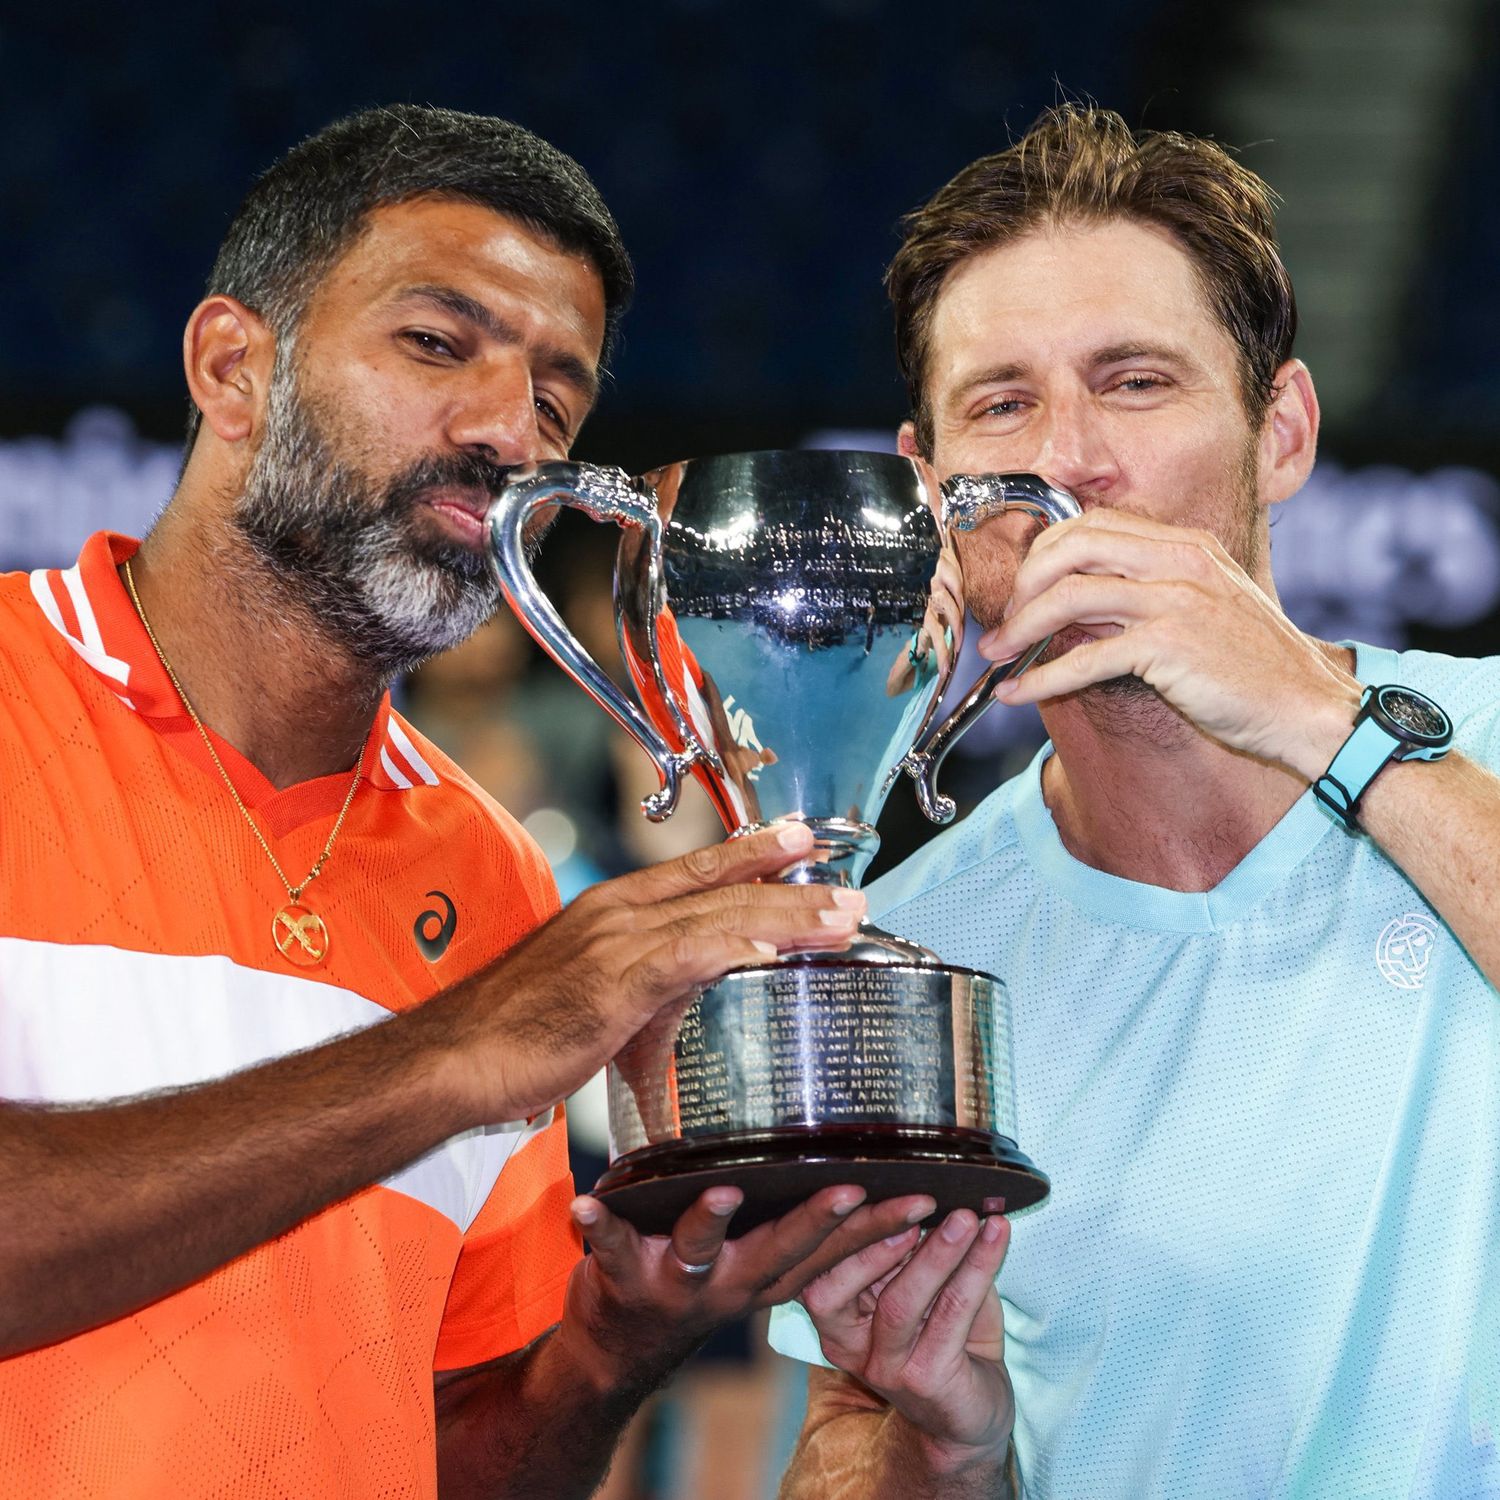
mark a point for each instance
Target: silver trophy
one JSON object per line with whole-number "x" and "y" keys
{"x": 772, "y": 614}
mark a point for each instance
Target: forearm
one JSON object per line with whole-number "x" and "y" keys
{"x": 541, "y": 1422}
{"x": 106, "y": 1208}
{"x": 879, "y": 1455}
{"x": 1440, "y": 823}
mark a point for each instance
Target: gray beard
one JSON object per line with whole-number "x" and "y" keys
{"x": 351, "y": 555}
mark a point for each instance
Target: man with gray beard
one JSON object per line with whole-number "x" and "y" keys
{"x": 284, "y": 1199}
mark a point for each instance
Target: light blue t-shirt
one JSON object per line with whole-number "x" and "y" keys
{"x": 1269, "y": 1268}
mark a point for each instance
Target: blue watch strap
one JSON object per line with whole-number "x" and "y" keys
{"x": 1359, "y": 760}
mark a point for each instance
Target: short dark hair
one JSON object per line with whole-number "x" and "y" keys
{"x": 1078, "y": 163}
{"x": 311, "y": 205}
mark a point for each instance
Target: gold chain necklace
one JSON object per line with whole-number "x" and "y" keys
{"x": 299, "y": 933}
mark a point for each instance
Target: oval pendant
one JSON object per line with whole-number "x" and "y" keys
{"x": 300, "y": 936}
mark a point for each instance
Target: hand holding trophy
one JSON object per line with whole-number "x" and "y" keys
{"x": 770, "y": 609}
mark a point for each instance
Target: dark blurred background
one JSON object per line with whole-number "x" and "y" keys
{"x": 758, "y": 158}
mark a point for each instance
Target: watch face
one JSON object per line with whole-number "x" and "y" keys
{"x": 1416, "y": 717}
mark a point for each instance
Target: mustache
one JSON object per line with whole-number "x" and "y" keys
{"x": 467, "y": 471}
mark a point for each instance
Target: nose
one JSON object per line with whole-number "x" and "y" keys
{"x": 494, "y": 415}
{"x": 1074, "y": 451}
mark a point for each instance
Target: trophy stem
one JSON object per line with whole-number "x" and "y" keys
{"x": 842, "y": 851}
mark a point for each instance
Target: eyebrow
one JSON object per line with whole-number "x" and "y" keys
{"x": 1119, "y": 354}
{"x": 995, "y": 375}
{"x": 1112, "y": 354}
{"x": 575, "y": 371}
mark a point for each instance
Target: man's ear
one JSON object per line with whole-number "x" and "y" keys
{"x": 228, "y": 352}
{"x": 1289, "y": 434}
{"x": 906, "y": 446}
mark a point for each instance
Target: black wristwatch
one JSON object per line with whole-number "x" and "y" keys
{"x": 1393, "y": 723}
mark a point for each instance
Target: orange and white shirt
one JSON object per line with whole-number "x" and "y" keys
{"x": 136, "y": 953}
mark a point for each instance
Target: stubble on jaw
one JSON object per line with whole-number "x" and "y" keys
{"x": 346, "y": 551}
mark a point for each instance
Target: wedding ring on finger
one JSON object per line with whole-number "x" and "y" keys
{"x": 687, "y": 1270}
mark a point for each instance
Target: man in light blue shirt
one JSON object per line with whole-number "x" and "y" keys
{"x": 1241, "y": 902}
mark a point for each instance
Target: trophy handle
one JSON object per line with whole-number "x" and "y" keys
{"x": 602, "y": 494}
{"x": 969, "y": 499}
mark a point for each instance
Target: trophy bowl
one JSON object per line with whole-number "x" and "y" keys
{"x": 776, "y": 623}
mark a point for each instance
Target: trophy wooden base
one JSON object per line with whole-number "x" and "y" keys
{"x": 778, "y": 1169}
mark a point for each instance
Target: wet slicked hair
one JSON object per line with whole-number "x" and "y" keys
{"x": 1081, "y": 165}
{"x": 307, "y": 210}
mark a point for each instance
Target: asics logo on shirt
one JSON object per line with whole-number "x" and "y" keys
{"x": 433, "y": 930}
{"x": 1404, "y": 949}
